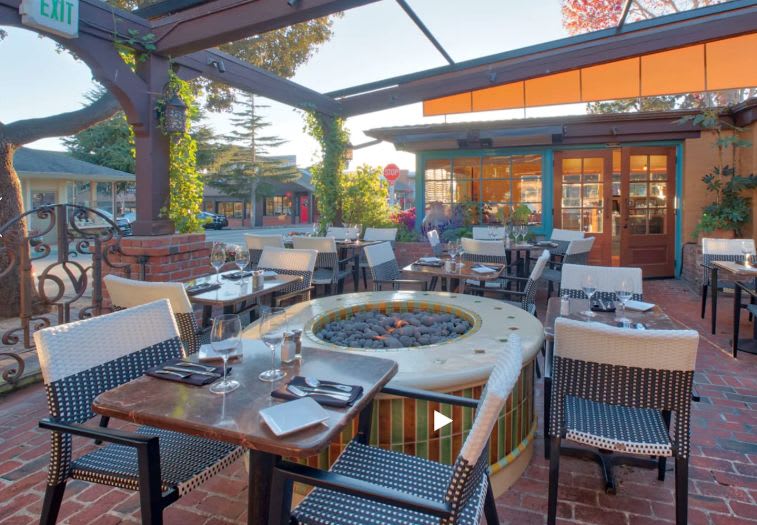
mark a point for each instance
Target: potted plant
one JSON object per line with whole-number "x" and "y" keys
{"x": 727, "y": 214}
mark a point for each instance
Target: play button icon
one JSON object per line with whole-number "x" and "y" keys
{"x": 440, "y": 420}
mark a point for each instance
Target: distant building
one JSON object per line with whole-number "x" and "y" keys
{"x": 279, "y": 204}
{"x": 404, "y": 189}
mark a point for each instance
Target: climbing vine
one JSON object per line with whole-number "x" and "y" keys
{"x": 331, "y": 134}
{"x": 186, "y": 187}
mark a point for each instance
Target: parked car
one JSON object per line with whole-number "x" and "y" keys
{"x": 122, "y": 222}
{"x": 215, "y": 221}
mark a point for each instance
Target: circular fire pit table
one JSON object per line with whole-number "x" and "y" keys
{"x": 458, "y": 365}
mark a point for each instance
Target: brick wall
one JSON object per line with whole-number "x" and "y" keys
{"x": 691, "y": 269}
{"x": 408, "y": 252}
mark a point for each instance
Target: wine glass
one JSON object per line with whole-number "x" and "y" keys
{"x": 452, "y": 250}
{"x": 218, "y": 259}
{"x": 746, "y": 251}
{"x": 623, "y": 293}
{"x": 492, "y": 231}
{"x": 225, "y": 339}
{"x": 508, "y": 230}
{"x": 272, "y": 326}
{"x": 314, "y": 233}
{"x": 589, "y": 287}
{"x": 523, "y": 232}
{"x": 242, "y": 260}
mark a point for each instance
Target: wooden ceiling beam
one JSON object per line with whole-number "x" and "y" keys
{"x": 220, "y": 21}
{"x": 638, "y": 38}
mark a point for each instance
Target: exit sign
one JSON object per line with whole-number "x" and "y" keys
{"x": 60, "y": 17}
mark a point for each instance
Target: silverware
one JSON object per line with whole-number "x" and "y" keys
{"x": 170, "y": 373}
{"x": 188, "y": 364}
{"x": 305, "y": 392}
{"x": 190, "y": 372}
{"x": 315, "y": 383}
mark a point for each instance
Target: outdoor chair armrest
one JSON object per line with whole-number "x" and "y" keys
{"x": 341, "y": 483}
{"x": 111, "y": 435}
{"x": 429, "y": 395}
{"x": 396, "y": 282}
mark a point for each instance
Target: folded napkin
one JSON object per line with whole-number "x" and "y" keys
{"x": 201, "y": 288}
{"x": 483, "y": 269}
{"x": 194, "y": 379}
{"x": 548, "y": 244}
{"x": 269, "y": 274}
{"x": 299, "y": 381}
{"x": 429, "y": 261}
{"x": 236, "y": 275}
{"x": 639, "y": 306}
{"x": 601, "y": 305}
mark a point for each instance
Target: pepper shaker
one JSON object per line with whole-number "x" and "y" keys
{"x": 565, "y": 305}
{"x": 297, "y": 338}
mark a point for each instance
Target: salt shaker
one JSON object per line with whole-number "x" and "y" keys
{"x": 564, "y": 305}
{"x": 288, "y": 348}
{"x": 297, "y": 337}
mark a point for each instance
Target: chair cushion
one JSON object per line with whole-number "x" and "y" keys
{"x": 410, "y": 474}
{"x": 550, "y": 274}
{"x": 185, "y": 462}
{"x": 621, "y": 429}
{"x": 326, "y": 275}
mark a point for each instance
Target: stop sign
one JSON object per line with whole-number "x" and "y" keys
{"x": 391, "y": 172}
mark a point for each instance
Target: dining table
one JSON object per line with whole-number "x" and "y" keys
{"x": 234, "y": 292}
{"x": 235, "y": 417}
{"x": 737, "y": 271}
{"x": 744, "y": 345}
{"x": 652, "y": 319}
{"x": 462, "y": 271}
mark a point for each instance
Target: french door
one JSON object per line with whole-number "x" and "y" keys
{"x": 647, "y": 209}
{"x": 583, "y": 197}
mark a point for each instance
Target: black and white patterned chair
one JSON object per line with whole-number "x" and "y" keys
{"x": 562, "y": 238}
{"x": 607, "y": 280}
{"x": 577, "y": 252}
{"x": 616, "y": 389}
{"x": 257, "y": 243}
{"x": 720, "y": 250}
{"x": 527, "y": 296}
{"x": 83, "y": 359}
{"x": 375, "y": 234}
{"x": 435, "y": 242}
{"x": 373, "y": 485}
{"x": 329, "y": 270}
{"x": 385, "y": 270}
{"x": 290, "y": 262}
{"x": 126, "y": 293}
{"x": 485, "y": 252}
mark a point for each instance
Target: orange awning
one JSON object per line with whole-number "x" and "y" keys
{"x": 721, "y": 64}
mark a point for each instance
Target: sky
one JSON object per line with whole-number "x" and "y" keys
{"x": 369, "y": 43}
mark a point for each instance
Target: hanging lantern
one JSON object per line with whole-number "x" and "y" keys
{"x": 175, "y": 115}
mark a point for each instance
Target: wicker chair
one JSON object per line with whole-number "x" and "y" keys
{"x": 384, "y": 268}
{"x": 577, "y": 252}
{"x": 720, "y": 250}
{"x": 373, "y": 485}
{"x": 290, "y": 262}
{"x": 607, "y": 280}
{"x": 83, "y": 359}
{"x": 257, "y": 243}
{"x": 527, "y": 296}
{"x": 375, "y": 234}
{"x": 436, "y": 244}
{"x": 562, "y": 238}
{"x": 485, "y": 252}
{"x": 329, "y": 269}
{"x": 126, "y": 293}
{"x": 481, "y": 233}
{"x": 614, "y": 389}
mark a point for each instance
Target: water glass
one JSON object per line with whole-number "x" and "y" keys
{"x": 272, "y": 326}
{"x": 623, "y": 295}
{"x": 225, "y": 338}
{"x": 746, "y": 251}
{"x": 492, "y": 231}
{"x": 589, "y": 287}
{"x": 218, "y": 258}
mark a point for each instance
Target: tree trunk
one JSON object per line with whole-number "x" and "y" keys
{"x": 253, "y": 203}
{"x": 14, "y": 135}
{"x": 11, "y": 206}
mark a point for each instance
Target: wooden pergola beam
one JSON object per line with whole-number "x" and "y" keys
{"x": 638, "y": 38}
{"x": 224, "y": 68}
{"x": 221, "y": 21}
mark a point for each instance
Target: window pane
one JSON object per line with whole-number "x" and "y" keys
{"x": 465, "y": 190}
{"x": 496, "y": 190}
{"x": 593, "y": 165}
{"x": 657, "y": 221}
{"x": 571, "y": 166}
{"x": 592, "y": 220}
{"x": 637, "y": 189}
{"x": 658, "y": 163}
{"x": 438, "y": 169}
{"x": 637, "y": 223}
{"x": 571, "y": 219}
{"x": 439, "y": 191}
{"x": 657, "y": 192}
{"x": 467, "y": 168}
{"x": 571, "y": 195}
{"x": 592, "y": 195}
{"x": 496, "y": 167}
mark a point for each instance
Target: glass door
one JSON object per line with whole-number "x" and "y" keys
{"x": 648, "y": 211}
{"x": 583, "y": 197}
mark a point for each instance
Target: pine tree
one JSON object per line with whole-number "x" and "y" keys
{"x": 244, "y": 167}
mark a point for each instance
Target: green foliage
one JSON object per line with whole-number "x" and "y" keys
{"x": 135, "y": 44}
{"x": 521, "y": 214}
{"x": 731, "y": 208}
{"x": 453, "y": 234}
{"x": 365, "y": 196}
{"x": 186, "y": 186}
{"x": 404, "y": 234}
{"x": 333, "y": 138}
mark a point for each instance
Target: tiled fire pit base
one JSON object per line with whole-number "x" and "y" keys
{"x": 459, "y": 366}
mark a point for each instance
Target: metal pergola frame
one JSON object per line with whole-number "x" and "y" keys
{"x": 187, "y": 30}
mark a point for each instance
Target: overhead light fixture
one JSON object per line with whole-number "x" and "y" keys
{"x": 218, "y": 64}
{"x": 293, "y": 3}
{"x": 175, "y": 115}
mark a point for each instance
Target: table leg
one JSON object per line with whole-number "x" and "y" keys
{"x": 736, "y": 318}
{"x": 207, "y": 312}
{"x": 714, "y": 299}
{"x": 356, "y": 271}
{"x": 259, "y": 486}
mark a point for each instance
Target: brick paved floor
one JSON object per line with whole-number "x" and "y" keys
{"x": 723, "y": 469}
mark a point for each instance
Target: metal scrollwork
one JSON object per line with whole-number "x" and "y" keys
{"x": 65, "y": 231}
